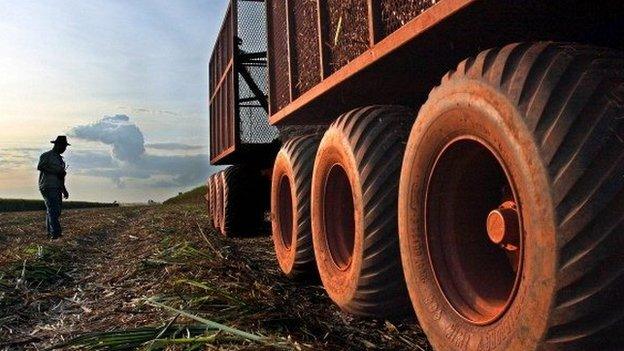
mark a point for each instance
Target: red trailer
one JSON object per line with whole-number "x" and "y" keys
{"x": 464, "y": 158}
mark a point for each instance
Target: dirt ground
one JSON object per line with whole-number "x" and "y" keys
{"x": 161, "y": 278}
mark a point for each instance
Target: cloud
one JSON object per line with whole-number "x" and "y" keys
{"x": 183, "y": 169}
{"x": 15, "y": 158}
{"x": 142, "y": 110}
{"x": 129, "y": 160}
{"x": 173, "y": 146}
{"x": 90, "y": 160}
{"x": 154, "y": 112}
{"x": 9, "y": 162}
{"x": 125, "y": 137}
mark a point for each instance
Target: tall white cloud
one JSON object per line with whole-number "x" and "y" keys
{"x": 125, "y": 137}
{"x": 131, "y": 161}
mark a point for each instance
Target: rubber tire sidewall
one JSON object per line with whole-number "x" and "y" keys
{"x": 341, "y": 285}
{"x": 497, "y": 121}
{"x": 219, "y": 202}
{"x": 285, "y": 256}
{"x": 212, "y": 193}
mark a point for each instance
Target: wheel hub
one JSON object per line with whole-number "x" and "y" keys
{"x": 503, "y": 226}
{"x": 473, "y": 230}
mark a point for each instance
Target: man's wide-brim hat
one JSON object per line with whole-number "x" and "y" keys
{"x": 61, "y": 139}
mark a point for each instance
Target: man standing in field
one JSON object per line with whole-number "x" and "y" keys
{"x": 52, "y": 184}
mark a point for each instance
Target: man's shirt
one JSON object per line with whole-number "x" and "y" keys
{"x": 52, "y": 169}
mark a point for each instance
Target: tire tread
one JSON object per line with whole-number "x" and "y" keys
{"x": 377, "y": 135}
{"x": 571, "y": 97}
{"x": 302, "y": 150}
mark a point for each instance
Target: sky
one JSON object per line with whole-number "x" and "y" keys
{"x": 125, "y": 80}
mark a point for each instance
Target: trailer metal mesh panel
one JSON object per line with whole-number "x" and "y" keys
{"x": 254, "y": 128}
{"x": 251, "y": 26}
{"x": 238, "y": 115}
{"x": 252, "y": 32}
{"x": 278, "y": 56}
{"x": 345, "y": 31}
{"x": 396, "y": 13}
{"x": 306, "y": 64}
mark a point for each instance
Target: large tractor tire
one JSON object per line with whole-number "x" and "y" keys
{"x": 290, "y": 206}
{"x": 218, "y": 209}
{"x": 511, "y": 202}
{"x": 354, "y": 210}
{"x": 243, "y": 201}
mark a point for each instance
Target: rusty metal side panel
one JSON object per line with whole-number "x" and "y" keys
{"x": 305, "y": 60}
{"x": 345, "y": 31}
{"x": 279, "y": 75}
{"x": 394, "y": 14}
{"x": 311, "y": 40}
{"x": 222, "y": 94}
{"x": 356, "y": 35}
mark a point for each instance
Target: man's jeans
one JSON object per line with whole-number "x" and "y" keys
{"x": 53, "y": 202}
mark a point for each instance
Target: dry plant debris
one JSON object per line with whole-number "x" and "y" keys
{"x": 160, "y": 278}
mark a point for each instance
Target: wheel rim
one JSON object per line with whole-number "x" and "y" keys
{"x": 285, "y": 212}
{"x": 338, "y": 216}
{"x": 473, "y": 230}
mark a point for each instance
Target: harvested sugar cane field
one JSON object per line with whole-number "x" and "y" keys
{"x": 161, "y": 278}
{"x": 425, "y": 175}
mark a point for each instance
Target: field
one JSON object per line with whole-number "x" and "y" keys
{"x": 17, "y": 205}
{"x": 160, "y": 278}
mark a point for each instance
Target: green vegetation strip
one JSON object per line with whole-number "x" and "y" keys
{"x": 219, "y": 292}
{"x": 18, "y": 205}
{"x": 209, "y": 323}
{"x": 195, "y": 196}
{"x": 130, "y": 339}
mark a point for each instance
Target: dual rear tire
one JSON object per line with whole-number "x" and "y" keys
{"x": 243, "y": 201}
{"x": 290, "y": 206}
{"x": 238, "y": 200}
{"x": 349, "y": 201}
{"x": 509, "y": 211}
{"x": 354, "y": 210}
